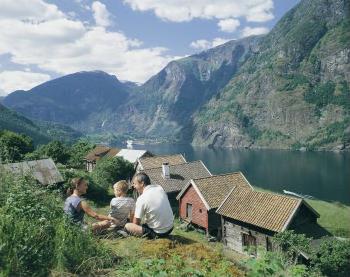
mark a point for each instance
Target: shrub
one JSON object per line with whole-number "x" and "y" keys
{"x": 77, "y": 152}
{"x": 109, "y": 170}
{"x": 14, "y": 146}
{"x": 36, "y": 238}
{"x": 333, "y": 258}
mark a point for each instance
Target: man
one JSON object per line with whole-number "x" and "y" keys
{"x": 153, "y": 208}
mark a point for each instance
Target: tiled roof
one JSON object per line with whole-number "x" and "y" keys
{"x": 157, "y": 161}
{"x": 132, "y": 155}
{"x": 180, "y": 175}
{"x": 44, "y": 171}
{"x": 100, "y": 151}
{"x": 215, "y": 189}
{"x": 266, "y": 210}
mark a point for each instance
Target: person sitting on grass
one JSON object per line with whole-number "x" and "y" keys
{"x": 75, "y": 207}
{"x": 153, "y": 208}
{"x": 122, "y": 207}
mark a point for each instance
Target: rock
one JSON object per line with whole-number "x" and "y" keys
{"x": 303, "y": 149}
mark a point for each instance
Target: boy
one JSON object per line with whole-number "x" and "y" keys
{"x": 122, "y": 207}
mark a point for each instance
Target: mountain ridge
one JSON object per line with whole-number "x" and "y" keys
{"x": 286, "y": 89}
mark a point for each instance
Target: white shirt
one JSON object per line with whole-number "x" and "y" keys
{"x": 154, "y": 208}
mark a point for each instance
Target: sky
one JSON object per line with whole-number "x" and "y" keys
{"x": 132, "y": 39}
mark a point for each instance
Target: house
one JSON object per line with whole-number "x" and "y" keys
{"x": 44, "y": 171}
{"x": 132, "y": 155}
{"x": 174, "y": 177}
{"x": 97, "y": 153}
{"x": 251, "y": 218}
{"x": 200, "y": 198}
{"x": 144, "y": 163}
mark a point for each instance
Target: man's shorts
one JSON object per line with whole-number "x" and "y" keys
{"x": 149, "y": 233}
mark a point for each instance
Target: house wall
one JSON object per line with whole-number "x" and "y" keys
{"x": 214, "y": 222}
{"x": 304, "y": 215}
{"x": 232, "y": 232}
{"x": 199, "y": 211}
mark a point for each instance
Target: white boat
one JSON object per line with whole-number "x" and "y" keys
{"x": 129, "y": 143}
{"x": 297, "y": 194}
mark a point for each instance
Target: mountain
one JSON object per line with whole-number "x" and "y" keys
{"x": 287, "y": 89}
{"x": 81, "y": 100}
{"x": 40, "y": 132}
{"x": 293, "y": 91}
{"x": 95, "y": 102}
{"x": 166, "y": 102}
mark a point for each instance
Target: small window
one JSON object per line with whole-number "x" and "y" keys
{"x": 200, "y": 210}
{"x": 268, "y": 244}
{"x": 189, "y": 211}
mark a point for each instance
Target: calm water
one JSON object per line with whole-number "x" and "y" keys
{"x": 324, "y": 175}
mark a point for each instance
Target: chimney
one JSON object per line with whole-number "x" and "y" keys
{"x": 166, "y": 171}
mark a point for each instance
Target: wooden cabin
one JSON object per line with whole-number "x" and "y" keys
{"x": 144, "y": 163}
{"x": 174, "y": 177}
{"x": 200, "y": 198}
{"x": 250, "y": 218}
{"x": 97, "y": 153}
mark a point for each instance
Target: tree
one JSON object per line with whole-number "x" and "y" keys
{"x": 77, "y": 153}
{"x": 333, "y": 257}
{"x": 109, "y": 170}
{"x": 14, "y": 146}
{"x": 55, "y": 150}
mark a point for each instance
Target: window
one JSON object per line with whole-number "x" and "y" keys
{"x": 200, "y": 210}
{"x": 189, "y": 211}
{"x": 268, "y": 244}
{"x": 249, "y": 243}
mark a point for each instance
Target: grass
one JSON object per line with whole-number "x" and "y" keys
{"x": 186, "y": 253}
{"x": 334, "y": 216}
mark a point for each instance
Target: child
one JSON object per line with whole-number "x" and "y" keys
{"x": 122, "y": 207}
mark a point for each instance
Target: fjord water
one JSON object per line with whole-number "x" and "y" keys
{"x": 323, "y": 175}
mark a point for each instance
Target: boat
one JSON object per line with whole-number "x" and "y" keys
{"x": 129, "y": 143}
{"x": 297, "y": 194}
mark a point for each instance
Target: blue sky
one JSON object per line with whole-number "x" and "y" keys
{"x": 132, "y": 39}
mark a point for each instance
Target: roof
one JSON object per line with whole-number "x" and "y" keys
{"x": 180, "y": 175}
{"x": 131, "y": 155}
{"x": 100, "y": 151}
{"x": 214, "y": 189}
{"x": 267, "y": 210}
{"x": 157, "y": 161}
{"x": 45, "y": 171}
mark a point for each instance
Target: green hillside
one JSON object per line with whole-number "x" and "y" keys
{"x": 41, "y": 132}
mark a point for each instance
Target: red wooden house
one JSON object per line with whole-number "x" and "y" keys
{"x": 199, "y": 199}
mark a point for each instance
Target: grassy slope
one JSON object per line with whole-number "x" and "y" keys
{"x": 335, "y": 217}
{"x": 187, "y": 254}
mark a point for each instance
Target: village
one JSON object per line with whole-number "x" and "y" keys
{"x": 226, "y": 207}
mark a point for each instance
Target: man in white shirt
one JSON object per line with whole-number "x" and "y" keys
{"x": 153, "y": 208}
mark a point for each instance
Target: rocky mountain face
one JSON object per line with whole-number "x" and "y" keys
{"x": 288, "y": 89}
{"x": 293, "y": 91}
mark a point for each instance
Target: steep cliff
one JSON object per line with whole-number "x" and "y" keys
{"x": 293, "y": 91}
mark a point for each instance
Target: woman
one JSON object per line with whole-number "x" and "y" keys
{"x": 75, "y": 207}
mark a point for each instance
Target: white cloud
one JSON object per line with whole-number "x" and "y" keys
{"x": 15, "y": 80}
{"x": 203, "y": 44}
{"x": 184, "y": 10}
{"x": 219, "y": 41}
{"x": 248, "y": 31}
{"x": 63, "y": 45}
{"x": 101, "y": 14}
{"x": 28, "y": 10}
{"x": 228, "y": 25}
